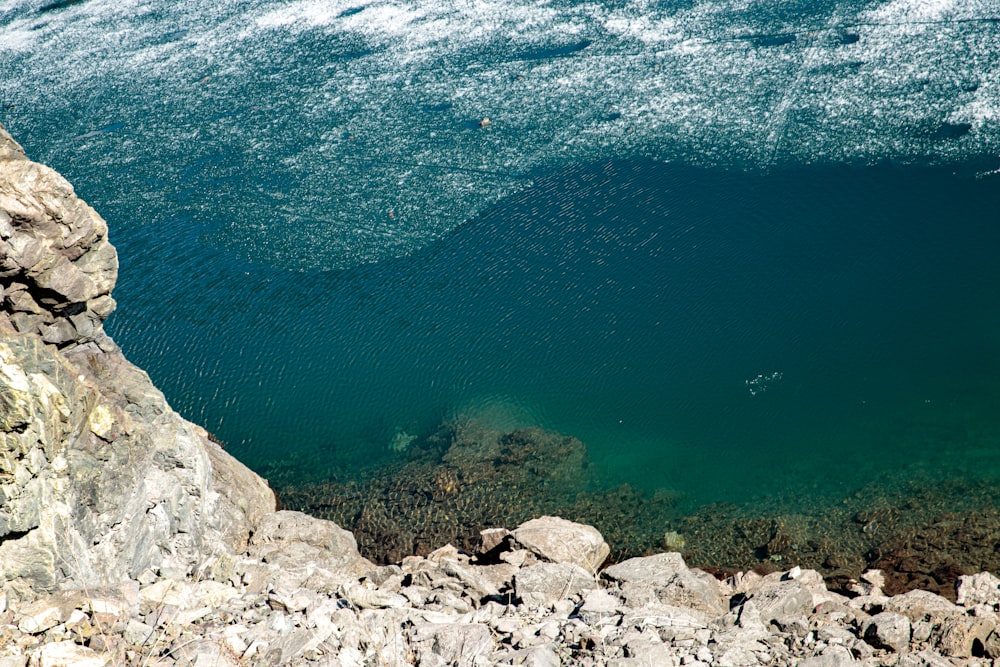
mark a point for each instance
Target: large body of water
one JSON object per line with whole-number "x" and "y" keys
{"x": 737, "y": 248}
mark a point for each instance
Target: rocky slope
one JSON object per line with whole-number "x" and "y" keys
{"x": 128, "y": 537}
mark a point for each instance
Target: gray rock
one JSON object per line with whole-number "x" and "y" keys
{"x": 540, "y": 656}
{"x": 888, "y": 630}
{"x": 964, "y": 636}
{"x": 560, "y": 541}
{"x": 139, "y": 634}
{"x": 456, "y": 643}
{"x": 298, "y": 543}
{"x": 597, "y": 605}
{"x": 547, "y": 582}
{"x": 69, "y": 654}
{"x": 982, "y": 588}
{"x": 491, "y": 538}
{"x": 922, "y": 605}
{"x": 835, "y": 656}
{"x": 671, "y": 580}
{"x": 48, "y": 612}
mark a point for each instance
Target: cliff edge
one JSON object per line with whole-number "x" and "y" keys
{"x": 100, "y": 479}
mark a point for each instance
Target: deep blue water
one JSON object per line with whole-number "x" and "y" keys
{"x": 731, "y": 262}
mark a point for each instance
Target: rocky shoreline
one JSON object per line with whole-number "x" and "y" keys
{"x": 531, "y": 596}
{"x": 128, "y": 537}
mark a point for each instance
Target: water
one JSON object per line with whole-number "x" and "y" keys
{"x": 739, "y": 249}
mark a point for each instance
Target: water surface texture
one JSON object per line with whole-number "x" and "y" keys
{"x": 737, "y": 248}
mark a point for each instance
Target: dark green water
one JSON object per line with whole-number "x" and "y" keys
{"x": 738, "y": 250}
{"x": 629, "y": 304}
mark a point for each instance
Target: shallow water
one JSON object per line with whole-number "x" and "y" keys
{"x": 737, "y": 249}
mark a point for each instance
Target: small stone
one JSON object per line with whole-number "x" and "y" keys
{"x": 139, "y": 634}
{"x": 491, "y": 538}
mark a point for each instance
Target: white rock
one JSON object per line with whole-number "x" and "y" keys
{"x": 69, "y": 654}
{"x": 561, "y": 541}
{"x": 982, "y": 588}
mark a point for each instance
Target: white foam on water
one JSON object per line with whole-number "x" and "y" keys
{"x": 362, "y": 108}
{"x": 910, "y": 11}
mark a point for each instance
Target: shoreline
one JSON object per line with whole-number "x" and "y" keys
{"x": 921, "y": 532}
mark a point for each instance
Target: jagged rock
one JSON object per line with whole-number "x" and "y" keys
{"x": 982, "y": 588}
{"x": 834, "y": 656}
{"x": 455, "y": 643}
{"x": 101, "y": 480}
{"x": 305, "y": 547}
{"x": 491, "y": 538}
{"x": 547, "y": 582}
{"x": 888, "y": 630}
{"x": 778, "y": 597}
{"x": 922, "y": 606}
{"x": 597, "y": 605}
{"x": 69, "y": 654}
{"x": 669, "y": 579}
{"x": 560, "y": 541}
{"x": 964, "y": 636}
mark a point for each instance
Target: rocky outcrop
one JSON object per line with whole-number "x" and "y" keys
{"x": 99, "y": 479}
{"x": 56, "y": 265}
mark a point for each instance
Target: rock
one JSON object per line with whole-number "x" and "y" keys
{"x": 597, "y": 605}
{"x": 455, "y": 643}
{"x": 540, "y": 656}
{"x": 982, "y": 588}
{"x": 365, "y": 597}
{"x": 964, "y": 636}
{"x": 560, "y": 541}
{"x": 682, "y": 621}
{"x": 872, "y": 582}
{"x": 922, "y": 606}
{"x": 491, "y": 538}
{"x": 888, "y": 630}
{"x": 68, "y": 654}
{"x": 835, "y": 656}
{"x": 48, "y": 612}
{"x": 105, "y": 481}
{"x": 139, "y": 634}
{"x": 292, "y": 540}
{"x": 547, "y": 582}
{"x": 670, "y": 579}
{"x": 647, "y": 649}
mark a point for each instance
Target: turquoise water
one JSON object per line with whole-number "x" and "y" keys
{"x": 737, "y": 249}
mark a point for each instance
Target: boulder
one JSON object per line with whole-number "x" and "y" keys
{"x": 298, "y": 543}
{"x": 560, "y": 541}
{"x": 454, "y": 643}
{"x": 887, "y": 630}
{"x": 69, "y": 654}
{"x": 982, "y": 588}
{"x": 666, "y": 576}
{"x": 964, "y": 636}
